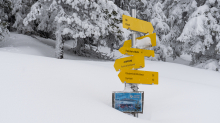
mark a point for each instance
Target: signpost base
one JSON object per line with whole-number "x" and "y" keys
{"x": 135, "y": 115}
{"x": 133, "y": 88}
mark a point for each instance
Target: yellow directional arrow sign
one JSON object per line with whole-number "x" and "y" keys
{"x": 137, "y": 24}
{"x": 151, "y": 36}
{"x": 132, "y": 62}
{"x": 134, "y": 51}
{"x": 138, "y": 77}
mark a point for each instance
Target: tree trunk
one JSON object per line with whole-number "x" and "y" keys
{"x": 59, "y": 43}
{"x": 79, "y": 45}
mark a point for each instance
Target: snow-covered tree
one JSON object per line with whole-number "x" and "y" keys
{"x": 177, "y": 13}
{"x": 80, "y": 19}
{"x": 152, "y": 11}
{"x": 201, "y": 35}
{"x": 20, "y": 10}
{"x": 159, "y": 21}
{"x": 42, "y": 18}
{"x": 5, "y": 9}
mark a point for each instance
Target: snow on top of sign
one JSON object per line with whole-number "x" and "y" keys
{"x": 143, "y": 43}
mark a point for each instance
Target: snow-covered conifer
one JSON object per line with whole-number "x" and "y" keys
{"x": 81, "y": 19}
{"x": 152, "y": 11}
{"x": 201, "y": 34}
{"x": 5, "y": 9}
{"x": 20, "y": 11}
{"x": 177, "y": 13}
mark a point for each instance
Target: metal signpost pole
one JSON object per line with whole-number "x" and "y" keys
{"x": 133, "y": 14}
{"x": 134, "y": 87}
{"x": 133, "y": 38}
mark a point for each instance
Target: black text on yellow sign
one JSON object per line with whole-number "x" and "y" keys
{"x": 137, "y": 24}
{"x": 132, "y": 62}
{"x": 138, "y": 77}
{"x": 125, "y": 65}
{"x": 134, "y": 51}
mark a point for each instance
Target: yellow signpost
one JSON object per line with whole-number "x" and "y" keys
{"x": 151, "y": 36}
{"x": 128, "y": 65}
{"x": 132, "y": 62}
{"x": 138, "y": 77}
{"x": 134, "y": 51}
{"x": 137, "y": 24}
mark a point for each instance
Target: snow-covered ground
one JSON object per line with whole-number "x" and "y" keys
{"x": 42, "y": 89}
{"x": 23, "y": 44}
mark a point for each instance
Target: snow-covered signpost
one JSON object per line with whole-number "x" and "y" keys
{"x": 128, "y": 66}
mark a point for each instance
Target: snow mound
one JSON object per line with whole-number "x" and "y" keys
{"x": 209, "y": 65}
{"x": 143, "y": 43}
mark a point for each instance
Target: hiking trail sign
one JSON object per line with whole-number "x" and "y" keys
{"x": 137, "y": 24}
{"x": 132, "y": 62}
{"x": 128, "y": 65}
{"x": 135, "y": 51}
{"x": 138, "y": 77}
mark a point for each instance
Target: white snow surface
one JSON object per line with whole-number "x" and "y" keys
{"x": 39, "y": 89}
{"x": 143, "y": 43}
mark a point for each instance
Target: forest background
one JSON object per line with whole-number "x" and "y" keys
{"x": 182, "y": 26}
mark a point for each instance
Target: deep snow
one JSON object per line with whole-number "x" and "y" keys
{"x": 39, "y": 89}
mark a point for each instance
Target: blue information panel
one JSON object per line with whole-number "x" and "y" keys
{"x": 128, "y": 102}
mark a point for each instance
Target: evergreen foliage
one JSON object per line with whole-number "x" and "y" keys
{"x": 20, "y": 10}
{"x": 177, "y": 12}
{"x": 5, "y": 9}
{"x": 182, "y": 26}
{"x": 81, "y": 20}
{"x": 201, "y": 35}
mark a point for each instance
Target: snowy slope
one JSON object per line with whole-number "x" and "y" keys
{"x": 24, "y": 44}
{"x": 38, "y": 89}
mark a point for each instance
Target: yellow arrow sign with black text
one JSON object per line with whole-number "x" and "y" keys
{"x": 151, "y": 36}
{"x": 136, "y": 60}
{"x": 138, "y": 77}
{"x": 132, "y": 62}
{"x": 134, "y": 51}
{"x": 137, "y": 24}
